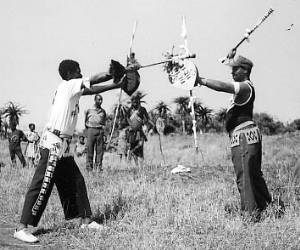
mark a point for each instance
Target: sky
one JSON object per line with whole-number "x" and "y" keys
{"x": 38, "y": 34}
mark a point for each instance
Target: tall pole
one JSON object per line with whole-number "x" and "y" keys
{"x": 194, "y": 121}
{"x": 185, "y": 46}
{"x": 120, "y": 95}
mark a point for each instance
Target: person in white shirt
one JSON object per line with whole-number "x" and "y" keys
{"x": 31, "y": 151}
{"x": 56, "y": 165}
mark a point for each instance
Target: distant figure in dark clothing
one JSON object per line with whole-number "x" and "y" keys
{"x": 122, "y": 146}
{"x": 137, "y": 117}
{"x": 80, "y": 147}
{"x": 14, "y": 139}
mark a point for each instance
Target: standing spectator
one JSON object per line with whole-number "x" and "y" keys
{"x": 31, "y": 151}
{"x": 80, "y": 147}
{"x": 137, "y": 117}
{"x": 95, "y": 119}
{"x": 122, "y": 146}
{"x": 14, "y": 139}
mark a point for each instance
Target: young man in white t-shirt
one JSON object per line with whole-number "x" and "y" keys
{"x": 56, "y": 165}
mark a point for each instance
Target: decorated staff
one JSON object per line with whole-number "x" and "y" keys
{"x": 183, "y": 74}
{"x": 160, "y": 127}
{"x": 247, "y": 34}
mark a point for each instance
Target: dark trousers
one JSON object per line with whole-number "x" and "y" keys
{"x": 13, "y": 151}
{"x": 95, "y": 143}
{"x": 252, "y": 187}
{"x": 70, "y": 186}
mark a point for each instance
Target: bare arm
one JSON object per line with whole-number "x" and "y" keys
{"x": 101, "y": 77}
{"x": 217, "y": 85}
{"x": 86, "y": 118}
{"x": 102, "y": 88}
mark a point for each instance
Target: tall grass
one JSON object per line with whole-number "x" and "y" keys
{"x": 149, "y": 208}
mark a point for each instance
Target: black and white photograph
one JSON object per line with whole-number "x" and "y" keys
{"x": 146, "y": 124}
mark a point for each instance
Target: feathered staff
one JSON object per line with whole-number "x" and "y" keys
{"x": 246, "y": 36}
{"x": 191, "y": 104}
{"x": 183, "y": 73}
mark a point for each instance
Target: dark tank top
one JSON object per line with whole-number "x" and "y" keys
{"x": 240, "y": 113}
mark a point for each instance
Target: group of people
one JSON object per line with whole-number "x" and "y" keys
{"x": 57, "y": 166}
{"x": 31, "y": 137}
{"x": 130, "y": 140}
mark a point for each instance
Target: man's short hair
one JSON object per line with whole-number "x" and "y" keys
{"x": 31, "y": 124}
{"x": 67, "y": 66}
{"x": 99, "y": 96}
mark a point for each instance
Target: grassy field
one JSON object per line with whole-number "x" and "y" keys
{"x": 149, "y": 208}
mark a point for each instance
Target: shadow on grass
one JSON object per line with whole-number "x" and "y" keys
{"x": 112, "y": 211}
{"x": 41, "y": 231}
{"x": 56, "y": 228}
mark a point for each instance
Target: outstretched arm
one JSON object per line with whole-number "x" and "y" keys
{"x": 102, "y": 88}
{"x": 101, "y": 77}
{"x": 216, "y": 85}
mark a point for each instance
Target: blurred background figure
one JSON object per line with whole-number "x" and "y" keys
{"x": 122, "y": 145}
{"x": 137, "y": 117}
{"x": 80, "y": 147}
{"x": 31, "y": 151}
{"x": 15, "y": 136}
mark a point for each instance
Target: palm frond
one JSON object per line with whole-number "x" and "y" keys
{"x": 13, "y": 112}
{"x": 161, "y": 108}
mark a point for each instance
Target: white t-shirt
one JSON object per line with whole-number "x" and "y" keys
{"x": 65, "y": 106}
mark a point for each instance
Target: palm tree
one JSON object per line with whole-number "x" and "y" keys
{"x": 123, "y": 108}
{"x": 205, "y": 114}
{"x": 13, "y": 112}
{"x": 182, "y": 103}
{"x": 221, "y": 116}
{"x": 139, "y": 94}
{"x": 198, "y": 108}
{"x": 162, "y": 108}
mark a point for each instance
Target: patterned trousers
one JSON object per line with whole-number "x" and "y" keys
{"x": 246, "y": 158}
{"x": 65, "y": 174}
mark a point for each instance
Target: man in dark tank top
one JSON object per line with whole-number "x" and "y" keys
{"x": 245, "y": 137}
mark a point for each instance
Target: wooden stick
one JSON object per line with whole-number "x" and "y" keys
{"x": 120, "y": 95}
{"x": 249, "y": 32}
{"x": 169, "y": 60}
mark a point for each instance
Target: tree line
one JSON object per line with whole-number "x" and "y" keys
{"x": 176, "y": 121}
{"x": 207, "y": 119}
